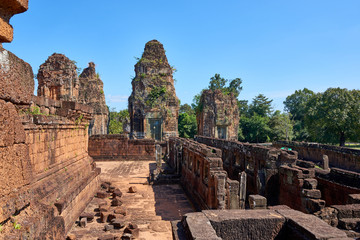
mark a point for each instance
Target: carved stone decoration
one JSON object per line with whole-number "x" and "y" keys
{"x": 153, "y": 104}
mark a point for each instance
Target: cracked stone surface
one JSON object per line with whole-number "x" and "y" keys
{"x": 152, "y": 207}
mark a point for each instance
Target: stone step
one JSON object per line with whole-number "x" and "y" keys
{"x": 349, "y": 223}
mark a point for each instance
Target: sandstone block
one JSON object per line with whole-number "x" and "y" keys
{"x": 112, "y": 189}
{"x": 83, "y": 222}
{"x": 89, "y": 216}
{"x": 16, "y": 79}
{"x": 126, "y": 236}
{"x": 116, "y": 202}
{"x": 257, "y": 202}
{"x": 132, "y": 229}
{"x": 102, "y": 194}
{"x": 109, "y": 227}
{"x": 349, "y": 223}
{"x": 132, "y": 189}
{"x": 105, "y": 186}
{"x": 117, "y": 193}
{"x": 104, "y": 217}
{"x": 312, "y": 193}
{"x": 118, "y": 223}
{"x": 310, "y": 183}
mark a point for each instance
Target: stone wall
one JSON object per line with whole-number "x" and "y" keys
{"x": 202, "y": 175}
{"x": 218, "y": 116}
{"x": 340, "y": 157}
{"x": 47, "y": 176}
{"x": 153, "y": 104}
{"x": 120, "y": 147}
{"x": 274, "y": 173}
{"x": 91, "y": 92}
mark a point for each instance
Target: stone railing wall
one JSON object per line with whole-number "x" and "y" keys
{"x": 120, "y": 147}
{"x": 202, "y": 174}
{"x": 274, "y": 173}
{"x": 339, "y": 157}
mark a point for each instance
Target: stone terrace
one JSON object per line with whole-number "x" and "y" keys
{"x": 152, "y": 207}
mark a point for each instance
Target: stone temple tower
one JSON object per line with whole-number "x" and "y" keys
{"x": 91, "y": 92}
{"x": 153, "y": 104}
{"x": 218, "y": 116}
{"x": 58, "y": 79}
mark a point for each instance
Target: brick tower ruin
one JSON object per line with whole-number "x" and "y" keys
{"x": 58, "y": 79}
{"x": 218, "y": 116}
{"x": 91, "y": 93}
{"x": 153, "y": 104}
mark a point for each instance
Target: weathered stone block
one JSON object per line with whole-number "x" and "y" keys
{"x": 118, "y": 223}
{"x": 109, "y": 227}
{"x": 89, "y": 216}
{"x": 104, "y": 216}
{"x": 83, "y": 222}
{"x": 310, "y": 183}
{"x": 132, "y": 229}
{"x": 16, "y": 78}
{"x": 257, "y": 202}
{"x": 311, "y": 193}
{"x": 102, "y": 194}
{"x": 117, "y": 193}
{"x": 132, "y": 189}
{"x": 10, "y": 8}
{"x": 116, "y": 202}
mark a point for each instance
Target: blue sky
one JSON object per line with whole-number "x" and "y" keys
{"x": 275, "y": 47}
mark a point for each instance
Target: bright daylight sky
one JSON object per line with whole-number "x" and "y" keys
{"x": 275, "y": 47}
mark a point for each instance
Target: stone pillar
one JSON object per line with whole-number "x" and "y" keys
{"x": 158, "y": 157}
{"x": 325, "y": 162}
{"x": 242, "y": 190}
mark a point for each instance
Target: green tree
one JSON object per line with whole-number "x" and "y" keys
{"x": 187, "y": 125}
{"x": 261, "y": 106}
{"x": 186, "y": 108}
{"x": 117, "y": 119}
{"x": 243, "y": 108}
{"x": 296, "y": 103}
{"x": 255, "y": 129}
{"x": 333, "y": 116}
{"x": 281, "y": 126}
{"x": 217, "y": 82}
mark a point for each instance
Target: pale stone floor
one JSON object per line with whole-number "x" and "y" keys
{"x": 152, "y": 207}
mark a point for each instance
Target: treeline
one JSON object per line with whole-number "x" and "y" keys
{"x": 330, "y": 117}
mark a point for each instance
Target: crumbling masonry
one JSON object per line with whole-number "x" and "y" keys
{"x": 153, "y": 104}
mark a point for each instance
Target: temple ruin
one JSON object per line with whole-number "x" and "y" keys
{"x": 153, "y": 104}
{"x": 210, "y": 187}
{"x": 58, "y": 79}
{"x": 91, "y": 92}
{"x": 218, "y": 116}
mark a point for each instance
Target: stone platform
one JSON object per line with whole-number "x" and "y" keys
{"x": 152, "y": 207}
